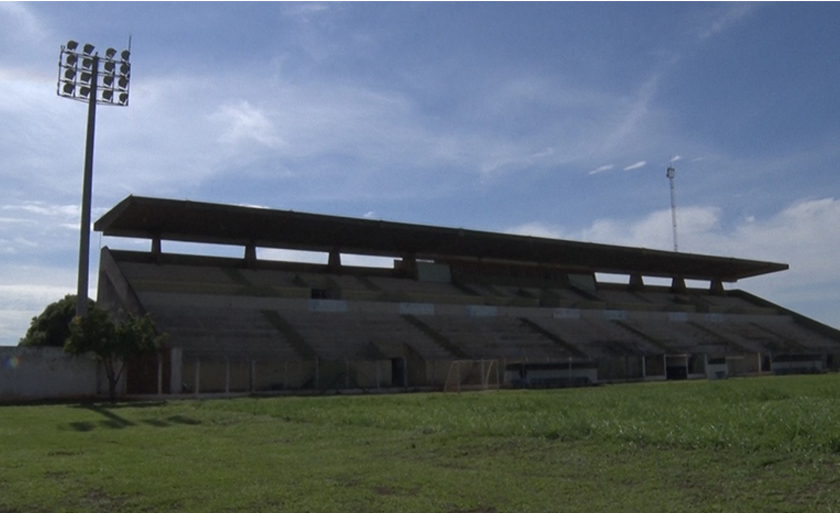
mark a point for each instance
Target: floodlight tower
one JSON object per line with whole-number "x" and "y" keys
{"x": 671, "y": 173}
{"x": 85, "y": 76}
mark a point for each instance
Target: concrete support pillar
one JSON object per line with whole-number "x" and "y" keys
{"x": 156, "y": 247}
{"x": 159, "y": 373}
{"x": 197, "y": 376}
{"x": 175, "y": 368}
{"x": 252, "y": 376}
{"x": 636, "y": 282}
{"x": 570, "y": 371}
{"x": 346, "y": 373}
{"x": 334, "y": 263}
{"x": 410, "y": 266}
{"x": 678, "y": 285}
{"x": 227, "y": 376}
{"x": 716, "y": 287}
{"x": 250, "y": 255}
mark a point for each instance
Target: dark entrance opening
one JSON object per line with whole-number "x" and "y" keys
{"x": 398, "y": 372}
{"x": 676, "y": 372}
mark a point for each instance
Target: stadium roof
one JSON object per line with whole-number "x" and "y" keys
{"x": 189, "y": 221}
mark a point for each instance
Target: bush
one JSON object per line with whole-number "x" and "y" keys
{"x": 52, "y": 327}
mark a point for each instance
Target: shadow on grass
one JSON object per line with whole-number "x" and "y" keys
{"x": 180, "y": 419}
{"x": 114, "y": 421}
{"x": 82, "y": 426}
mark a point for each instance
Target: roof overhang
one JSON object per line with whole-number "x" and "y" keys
{"x": 189, "y": 221}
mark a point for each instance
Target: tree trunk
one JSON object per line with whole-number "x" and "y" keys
{"x": 113, "y": 379}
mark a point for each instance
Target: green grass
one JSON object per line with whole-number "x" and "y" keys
{"x": 761, "y": 444}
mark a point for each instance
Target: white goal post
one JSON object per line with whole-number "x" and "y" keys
{"x": 472, "y": 375}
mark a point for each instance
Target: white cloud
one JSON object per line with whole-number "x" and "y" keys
{"x": 243, "y": 122}
{"x": 637, "y": 165}
{"x": 631, "y": 118}
{"x": 19, "y": 24}
{"x": 732, "y": 15}
{"x": 25, "y": 291}
{"x": 538, "y": 229}
{"x": 804, "y": 235}
{"x": 506, "y": 158}
{"x": 44, "y": 209}
{"x": 304, "y": 12}
{"x": 653, "y": 231}
{"x": 601, "y": 169}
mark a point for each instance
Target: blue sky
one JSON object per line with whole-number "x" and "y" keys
{"x": 552, "y": 119}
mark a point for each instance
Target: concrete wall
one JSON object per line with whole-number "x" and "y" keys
{"x": 39, "y": 373}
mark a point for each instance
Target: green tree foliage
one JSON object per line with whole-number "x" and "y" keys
{"x": 112, "y": 344}
{"x": 52, "y": 327}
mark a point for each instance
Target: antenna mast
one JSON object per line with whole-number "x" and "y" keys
{"x": 670, "y": 173}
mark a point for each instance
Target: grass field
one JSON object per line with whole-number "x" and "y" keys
{"x": 746, "y": 445}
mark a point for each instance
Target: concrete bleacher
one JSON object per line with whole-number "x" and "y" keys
{"x": 210, "y": 333}
{"x": 679, "y": 336}
{"x": 752, "y": 333}
{"x": 744, "y": 327}
{"x": 501, "y": 295}
{"x": 627, "y": 299}
{"x": 736, "y": 305}
{"x": 496, "y": 337}
{"x": 252, "y": 328}
{"x": 598, "y": 338}
{"x": 179, "y": 278}
{"x": 786, "y": 328}
{"x": 407, "y": 290}
{"x": 339, "y": 336}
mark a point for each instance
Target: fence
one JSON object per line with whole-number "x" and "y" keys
{"x": 44, "y": 373}
{"x": 188, "y": 372}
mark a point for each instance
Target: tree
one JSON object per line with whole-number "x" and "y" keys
{"x": 112, "y": 344}
{"x": 52, "y": 327}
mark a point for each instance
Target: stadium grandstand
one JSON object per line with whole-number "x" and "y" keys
{"x": 458, "y": 308}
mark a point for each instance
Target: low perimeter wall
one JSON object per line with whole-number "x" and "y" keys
{"x": 42, "y": 373}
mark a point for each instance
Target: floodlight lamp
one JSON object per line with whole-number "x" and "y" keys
{"x": 72, "y": 45}
{"x": 107, "y": 95}
{"x": 84, "y": 91}
{"x": 109, "y": 66}
{"x": 124, "y": 69}
{"x": 110, "y": 53}
{"x": 108, "y": 80}
{"x": 87, "y": 63}
{"x": 123, "y": 98}
{"x": 68, "y": 88}
{"x": 85, "y": 77}
{"x": 71, "y": 59}
{"x": 125, "y": 55}
{"x": 88, "y": 49}
{"x": 123, "y": 83}
{"x": 70, "y": 74}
